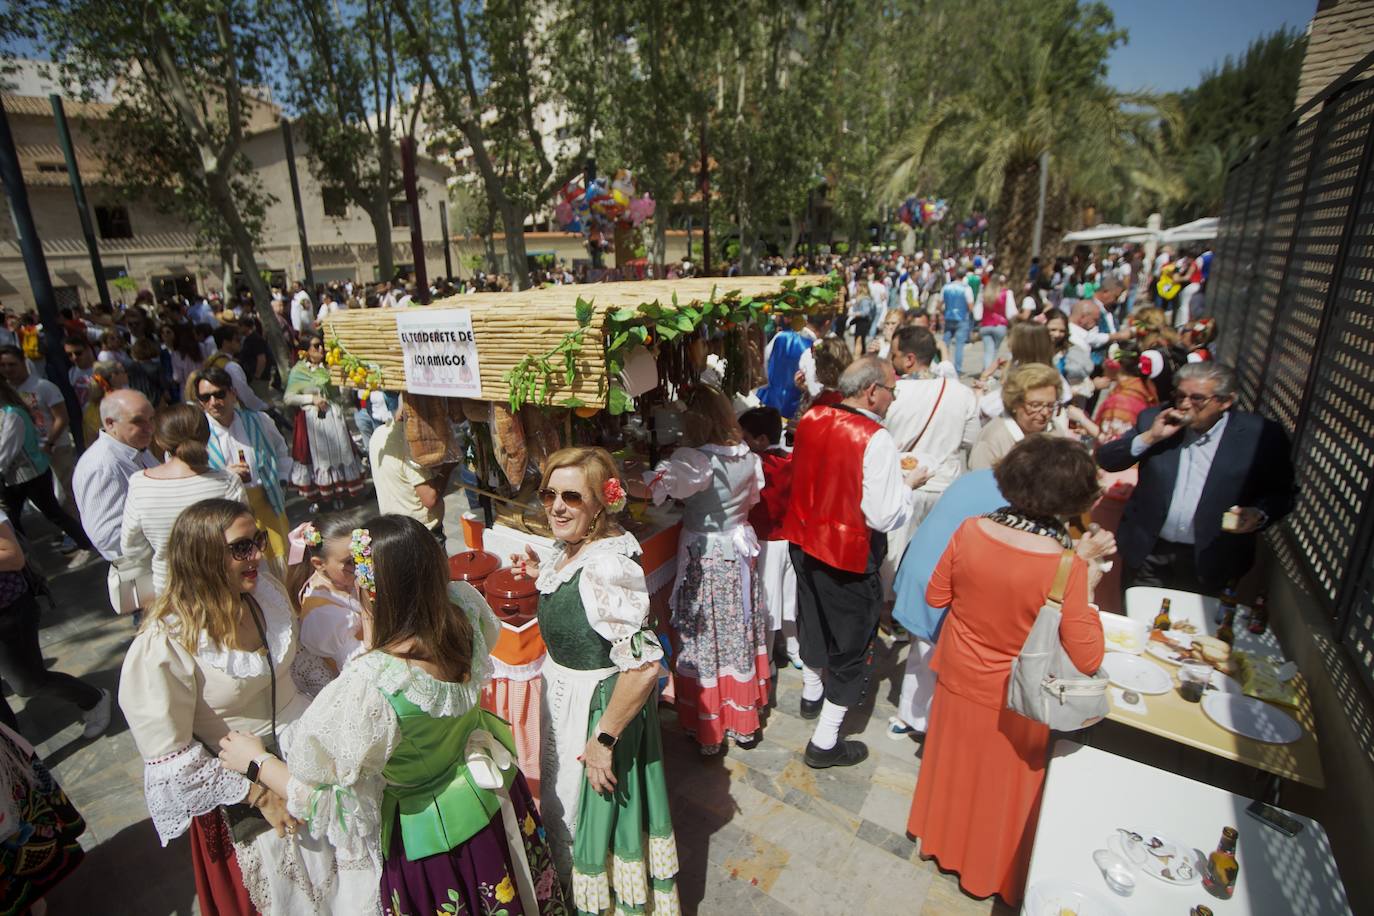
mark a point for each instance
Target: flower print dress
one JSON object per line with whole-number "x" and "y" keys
{"x": 720, "y": 675}
{"x": 593, "y": 612}
{"x": 39, "y": 827}
{"x": 409, "y": 771}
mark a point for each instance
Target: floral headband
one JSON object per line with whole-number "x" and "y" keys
{"x": 360, "y": 546}
{"x": 613, "y": 495}
{"x": 301, "y": 537}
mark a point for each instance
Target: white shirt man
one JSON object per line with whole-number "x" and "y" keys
{"x": 302, "y": 312}
{"x": 935, "y": 419}
{"x": 101, "y": 480}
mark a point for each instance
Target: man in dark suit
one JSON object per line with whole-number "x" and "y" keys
{"x": 1210, "y": 478}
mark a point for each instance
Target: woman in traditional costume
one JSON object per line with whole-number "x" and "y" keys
{"x": 721, "y": 673}
{"x": 605, "y": 796}
{"x": 213, "y": 655}
{"x": 397, "y": 763}
{"x": 326, "y": 466}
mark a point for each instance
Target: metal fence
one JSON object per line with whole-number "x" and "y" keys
{"x": 1293, "y": 296}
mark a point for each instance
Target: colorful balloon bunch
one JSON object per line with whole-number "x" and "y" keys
{"x": 594, "y": 211}
{"x": 921, "y": 211}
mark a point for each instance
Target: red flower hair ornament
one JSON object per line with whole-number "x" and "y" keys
{"x": 613, "y": 495}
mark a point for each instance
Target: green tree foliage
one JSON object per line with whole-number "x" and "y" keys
{"x": 1234, "y": 105}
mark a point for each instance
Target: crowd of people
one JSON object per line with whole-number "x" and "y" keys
{"x": 313, "y": 703}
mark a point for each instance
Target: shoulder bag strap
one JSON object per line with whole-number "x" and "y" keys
{"x": 260, "y": 621}
{"x": 1061, "y": 579}
{"x": 938, "y": 398}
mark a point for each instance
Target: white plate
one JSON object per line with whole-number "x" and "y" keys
{"x": 1122, "y": 634}
{"x": 1053, "y": 896}
{"x": 1251, "y": 718}
{"x": 1131, "y": 672}
{"x": 1171, "y": 861}
{"x": 1167, "y": 654}
{"x": 1224, "y": 684}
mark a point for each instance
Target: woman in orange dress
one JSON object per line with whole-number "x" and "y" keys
{"x": 983, "y": 766}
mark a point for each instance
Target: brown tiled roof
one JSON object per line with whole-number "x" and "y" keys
{"x": 39, "y": 106}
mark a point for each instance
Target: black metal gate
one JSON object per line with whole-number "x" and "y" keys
{"x": 1294, "y": 299}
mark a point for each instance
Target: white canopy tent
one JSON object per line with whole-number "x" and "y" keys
{"x": 1196, "y": 231}
{"x": 1110, "y": 232}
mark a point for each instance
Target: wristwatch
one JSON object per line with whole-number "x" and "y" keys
{"x": 254, "y": 766}
{"x": 606, "y": 740}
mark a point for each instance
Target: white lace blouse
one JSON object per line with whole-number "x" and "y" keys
{"x": 180, "y": 703}
{"x": 343, "y": 741}
{"x": 614, "y": 595}
{"x": 688, "y": 471}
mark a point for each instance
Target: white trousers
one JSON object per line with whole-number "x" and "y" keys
{"x": 918, "y": 685}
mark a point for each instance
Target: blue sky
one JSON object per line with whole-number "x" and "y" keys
{"x": 1173, "y": 41}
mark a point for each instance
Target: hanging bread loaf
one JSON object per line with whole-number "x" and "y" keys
{"x": 508, "y": 439}
{"x": 474, "y": 411}
{"x": 541, "y": 427}
{"x": 427, "y": 428}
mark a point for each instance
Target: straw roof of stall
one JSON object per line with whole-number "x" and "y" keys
{"x": 510, "y": 326}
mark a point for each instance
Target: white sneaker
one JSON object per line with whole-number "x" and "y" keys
{"x": 97, "y": 718}
{"x": 80, "y": 558}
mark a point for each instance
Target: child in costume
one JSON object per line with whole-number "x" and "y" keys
{"x": 762, "y": 433}
{"x": 321, "y": 583}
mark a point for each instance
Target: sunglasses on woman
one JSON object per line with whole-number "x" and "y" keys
{"x": 571, "y": 498}
{"x": 246, "y": 548}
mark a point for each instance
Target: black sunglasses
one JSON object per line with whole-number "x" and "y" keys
{"x": 245, "y": 548}
{"x": 571, "y": 498}
{"x": 204, "y": 397}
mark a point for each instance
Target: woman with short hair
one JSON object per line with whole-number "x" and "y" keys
{"x": 983, "y": 766}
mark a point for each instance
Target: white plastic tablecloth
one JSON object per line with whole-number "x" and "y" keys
{"x": 1089, "y": 793}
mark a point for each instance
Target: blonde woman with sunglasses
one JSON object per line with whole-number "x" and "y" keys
{"x": 604, "y": 793}
{"x": 214, "y": 655}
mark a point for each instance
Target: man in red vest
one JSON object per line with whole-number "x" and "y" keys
{"x": 848, "y": 490}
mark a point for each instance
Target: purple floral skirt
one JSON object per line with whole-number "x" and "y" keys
{"x": 476, "y": 878}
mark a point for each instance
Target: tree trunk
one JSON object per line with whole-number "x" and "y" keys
{"x": 1016, "y": 207}
{"x": 658, "y": 244}
{"x": 222, "y": 195}
{"x": 793, "y": 236}
{"x": 379, "y": 212}
{"x": 513, "y": 223}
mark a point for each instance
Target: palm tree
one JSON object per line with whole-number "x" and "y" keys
{"x": 1030, "y": 102}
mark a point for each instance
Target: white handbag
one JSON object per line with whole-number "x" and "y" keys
{"x": 131, "y": 585}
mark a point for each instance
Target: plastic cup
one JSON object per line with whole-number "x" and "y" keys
{"x": 1193, "y": 678}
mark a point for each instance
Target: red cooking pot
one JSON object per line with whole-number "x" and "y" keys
{"x": 512, "y": 596}
{"x": 472, "y": 567}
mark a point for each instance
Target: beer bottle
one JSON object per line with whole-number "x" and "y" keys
{"x": 1259, "y": 616}
{"x": 1226, "y": 632}
{"x": 1162, "y": 618}
{"x": 1222, "y": 867}
{"x": 1227, "y": 603}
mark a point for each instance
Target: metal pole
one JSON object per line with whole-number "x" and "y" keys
{"x": 443, "y": 229}
{"x": 588, "y": 179}
{"x": 417, "y": 238}
{"x": 83, "y": 210}
{"x": 1036, "y": 237}
{"x": 705, "y": 184}
{"x": 36, "y": 265}
{"x": 296, "y": 200}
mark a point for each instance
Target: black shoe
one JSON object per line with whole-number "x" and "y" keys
{"x": 843, "y": 754}
{"x": 810, "y": 709}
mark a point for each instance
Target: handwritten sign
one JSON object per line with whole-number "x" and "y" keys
{"x": 440, "y": 352}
